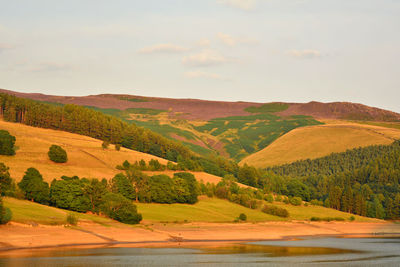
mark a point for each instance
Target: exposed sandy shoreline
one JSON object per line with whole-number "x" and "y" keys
{"x": 18, "y": 240}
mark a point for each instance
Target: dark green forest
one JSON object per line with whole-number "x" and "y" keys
{"x": 85, "y": 121}
{"x": 363, "y": 181}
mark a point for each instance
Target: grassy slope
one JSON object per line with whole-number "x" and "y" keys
{"x": 218, "y": 210}
{"x": 86, "y": 158}
{"x": 206, "y": 210}
{"x": 317, "y": 141}
{"x": 24, "y": 211}
{"x": 234, "y": 137}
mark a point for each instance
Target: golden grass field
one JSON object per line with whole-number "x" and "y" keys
{"x": 321, "y": 140}
{"x": 86, "y": 158}
{"x": 206, "y": 210}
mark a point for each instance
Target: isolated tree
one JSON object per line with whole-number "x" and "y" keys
{"x": 118, "y": 147}
{"x": 57, "y": 154}
{"x": 33, "y": 186}
{"x": 7, "y": 142}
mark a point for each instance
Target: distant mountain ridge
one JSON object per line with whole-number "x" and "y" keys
{"x": 196, "y": 109}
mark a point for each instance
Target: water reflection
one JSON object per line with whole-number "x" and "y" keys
{"x": 316, "y": 252}
{"x": 275, "y": 251}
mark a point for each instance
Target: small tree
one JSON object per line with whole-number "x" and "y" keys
{"x": 120, "y": 208}
{"x": 7, "y": 186}
{"x": 34, "y": 187}
{"x": 295, "y": 201}
{"x": 138, "y": 180}
{"x": 5, "y": 213}
{"x": 105, "y": 144}
{"x": 72, "y": 219}
{"x": 242, "y": 217}
{"x": 7, "y": 142}
{"x": 57, "y": 154}
{"x": 118, "y": 147}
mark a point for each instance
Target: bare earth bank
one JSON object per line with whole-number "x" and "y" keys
{"x": 19, "y": 239}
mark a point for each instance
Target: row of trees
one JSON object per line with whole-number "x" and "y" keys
{"x": 85, "y": 121}
{"x": 83, "y": 195}
{"x": 363, "y": 181}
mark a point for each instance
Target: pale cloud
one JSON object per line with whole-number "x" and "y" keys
{"x": 49, "y": 66}
{"x": 4, "y": 46}
{"x": 307, "y": 53}
{"x": 226, "y": 39}
{"x": 162, "y": 48}
{"x": 232, "y": 41}
{"x": 241, "y": 4}
{"x": 204, "y": 42}
{"x": 202, "y": 74}
{"x": 204, "y": 59}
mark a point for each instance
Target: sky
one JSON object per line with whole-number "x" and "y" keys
{"x": 233, "y": 50}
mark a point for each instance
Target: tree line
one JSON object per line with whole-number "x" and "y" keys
{"x": 85, "y": 121}
{"x": 363, "y": 181}
{"x": 113, "y": 198}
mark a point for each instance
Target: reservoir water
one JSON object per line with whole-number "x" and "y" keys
{"x": 307, "y": 252}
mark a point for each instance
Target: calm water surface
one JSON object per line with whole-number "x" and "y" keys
{"x": 314, "y": 252}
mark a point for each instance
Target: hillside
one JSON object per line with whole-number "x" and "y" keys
{"x": 318, "y": 141}
{"x": 233, "y": 130}
{"x": 196, "y": 109}
{"x": 206, "y": 210}
{"x": 86, "y": 158}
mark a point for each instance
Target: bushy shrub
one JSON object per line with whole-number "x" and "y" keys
{"x": 105, "y": 144}
{"x": 295, "y": 201}
{"x": 316, "y": 202}
{"x": 274, "y": 210}
{"x": 118, "y": 147}
{"x": 254, "y": 204}
{"x": 7, "y": 142}
{"x": 352, "y": 218}
{"x": 7, "y": 185}
{"x": 119, "y": 208}
{"x": 242, "y": 217}
{"x": 72, "y": 219}
{"x": 57, "y": 154}
{"x": 34, "y": 187}
{"x": 70, "y": 193}
{"x": 5, "y": 213}
{"x": 269, "y": 198}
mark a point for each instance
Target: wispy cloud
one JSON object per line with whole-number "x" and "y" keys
{"x": 4, "y": 46}
{"x": 204, "y": 42}
{"x": 204, "y": 59}
{"x": 49, "y": 66}
{"x": 306, "y": 54}
{"x": 241, "y": 4}
{"x": 229, "y": 40}
{"x": 202, "y": 74}
{"x": 226, "y": 39}
{"x": 162, "y": 48}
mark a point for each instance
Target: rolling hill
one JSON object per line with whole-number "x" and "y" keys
{"x": 235, "y": 130}
{"x": 318, "y": 141}
{"x": 86, "y": 158}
